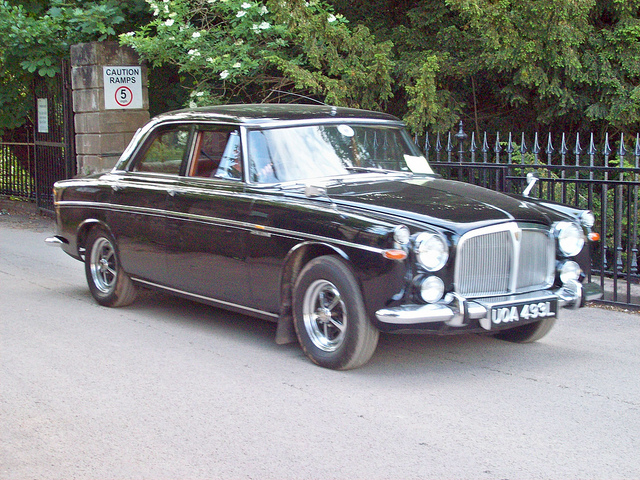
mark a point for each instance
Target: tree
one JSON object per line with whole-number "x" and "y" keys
{"x": 246, "y": 50}
{"x": 564, "y": 64}
{"x": 35, "y": 35}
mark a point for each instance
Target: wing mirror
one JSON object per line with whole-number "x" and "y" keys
{"x": 532, "y": 178}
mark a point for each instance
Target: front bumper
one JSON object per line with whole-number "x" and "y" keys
{"x": 462, "y": 314}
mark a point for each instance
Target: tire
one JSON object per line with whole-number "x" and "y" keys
{"x": 330, "y": 320}
{"x": 108, "y": 282}
{"x": 529, "y": 333}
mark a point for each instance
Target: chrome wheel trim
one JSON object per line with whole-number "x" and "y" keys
{"x": 324, "y": 315}
{"x": 103, "y": 265}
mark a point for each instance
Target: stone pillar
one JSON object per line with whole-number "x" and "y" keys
{"x": 102, "y": 134}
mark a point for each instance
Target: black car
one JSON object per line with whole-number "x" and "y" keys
{"x": 328, "y": 221}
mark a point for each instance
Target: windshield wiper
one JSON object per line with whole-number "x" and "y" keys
{"x": 376, "y": 170}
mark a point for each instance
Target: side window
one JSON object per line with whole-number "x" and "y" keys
{"x": 165, "y": 153}
{"x": 217, "y": 154}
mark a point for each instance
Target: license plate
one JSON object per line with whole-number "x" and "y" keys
{"x": 523, "y": 312}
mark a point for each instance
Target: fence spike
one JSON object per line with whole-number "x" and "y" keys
{"x": 637, "y": 150}
{"x": 473, "y": 147}
{"x": 427, "y": 145}
{"x": 497, "y": 148}
{"x": 438, "y": 143}
{"x": 607, "y": 149}
{"x": 563, "y": 147}
{"x": 592, "y": 146}
{"x": 536, "y": 145}
{"x": 578, "y": 149}
{"x": 523, "y": 145}
{"x": 510, "y": 149}
{"x": 550, "y": 148}
{"x": 622, "y": 151}
{"x": 485, "y": 144}
{"x": 449, "y": 144}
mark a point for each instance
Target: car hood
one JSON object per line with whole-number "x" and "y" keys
{"x": 455, "y": 205}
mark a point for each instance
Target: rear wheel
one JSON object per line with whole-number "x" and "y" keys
{"x": 108, "y": 283}
{"x": 329, "y": 315}
{"x": 531, "y": 332}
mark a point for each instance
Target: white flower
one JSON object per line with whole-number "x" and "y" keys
{"x": 263, "y": 10}
{"x": 194, "y": 52}
{"x": 129, "y": 34}
{"x": 264, "y": 25}
{"x": 237, "y": 65}
{"x": 241, "y": 13}
{"x": 192, "y": 104}
{"x": 255, "y": 27}
{"x": 239, "y": 42}
{"x": 224, "y": 74}
{"x": 210, "y": 59}
{"x": 195, "y": 34}
{"x": 173, "y": 15}
{"x": 246, "y": 5}
{"x": 331, "y": 18}
{"x": 169, "y": 22}
{"x": 211, "y": 1}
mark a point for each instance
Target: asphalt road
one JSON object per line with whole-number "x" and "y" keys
{"x": 169, "y": 389}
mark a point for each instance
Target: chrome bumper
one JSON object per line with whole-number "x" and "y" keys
{"x": 54, "y": 241}
{"x": 460, "y": 311}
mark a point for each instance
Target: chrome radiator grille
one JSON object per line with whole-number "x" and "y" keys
{"x": 504, "y": 260}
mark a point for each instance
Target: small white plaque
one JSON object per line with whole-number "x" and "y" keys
{"x": 43, "y": 115}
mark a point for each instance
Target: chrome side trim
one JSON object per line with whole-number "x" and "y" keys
{"x": 258, "y": 229}
{"x": 195, "y": 296}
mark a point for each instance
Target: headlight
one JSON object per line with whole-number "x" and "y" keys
{"x": 570, "y": 238}
{"x": 569, "y": 270}
{"x": 401, "y": 235}
{"x": 431, "y": 289}
{"x": 431, "y": 251}
{"x": 587, "y": 218}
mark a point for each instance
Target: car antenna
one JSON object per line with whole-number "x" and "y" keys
{"x": 300, "y": 96}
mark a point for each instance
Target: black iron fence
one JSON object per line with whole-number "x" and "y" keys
{"x": 601, "y": 176}
{"x": 34, "y": 157}
{"x": 17, "y": 164}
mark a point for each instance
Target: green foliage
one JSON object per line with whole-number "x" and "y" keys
{"x": 36, "y": 35}
{"x": 511, "y": 65}
{"x": 247, "y": 50}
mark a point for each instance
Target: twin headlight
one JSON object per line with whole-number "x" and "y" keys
{"x": 570, "y": 238}
{"x": 432, "y": 251}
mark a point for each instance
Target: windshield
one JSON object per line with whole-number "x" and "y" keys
{"x": 302, "y": 153}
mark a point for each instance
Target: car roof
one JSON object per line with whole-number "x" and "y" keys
{"x": 264, "y": 114}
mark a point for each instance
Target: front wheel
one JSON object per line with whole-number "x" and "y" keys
{"x": 329, "y": 315}
{"x": 108, "y": 282}
{"x": 531, "y": 332}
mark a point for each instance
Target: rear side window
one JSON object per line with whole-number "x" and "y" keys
{"x": 217, "y": 154}
{"x": 165, "y": 153}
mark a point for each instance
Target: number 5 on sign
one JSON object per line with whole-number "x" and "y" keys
{"x": 124, "y": 96}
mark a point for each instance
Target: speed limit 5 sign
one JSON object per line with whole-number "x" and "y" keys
{"x": 122, "y": 87}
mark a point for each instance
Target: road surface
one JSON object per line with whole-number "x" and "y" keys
{"x": 168, "y": 389}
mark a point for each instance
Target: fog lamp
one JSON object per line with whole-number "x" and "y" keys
{"x": 569, "y": 270}
{"x": 431, "y": 289}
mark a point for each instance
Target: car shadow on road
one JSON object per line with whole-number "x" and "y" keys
{"x": 396, "y": 354}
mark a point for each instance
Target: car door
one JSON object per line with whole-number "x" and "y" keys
{"x": 138, "y": 213}
{"x": 207, "y": 226}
